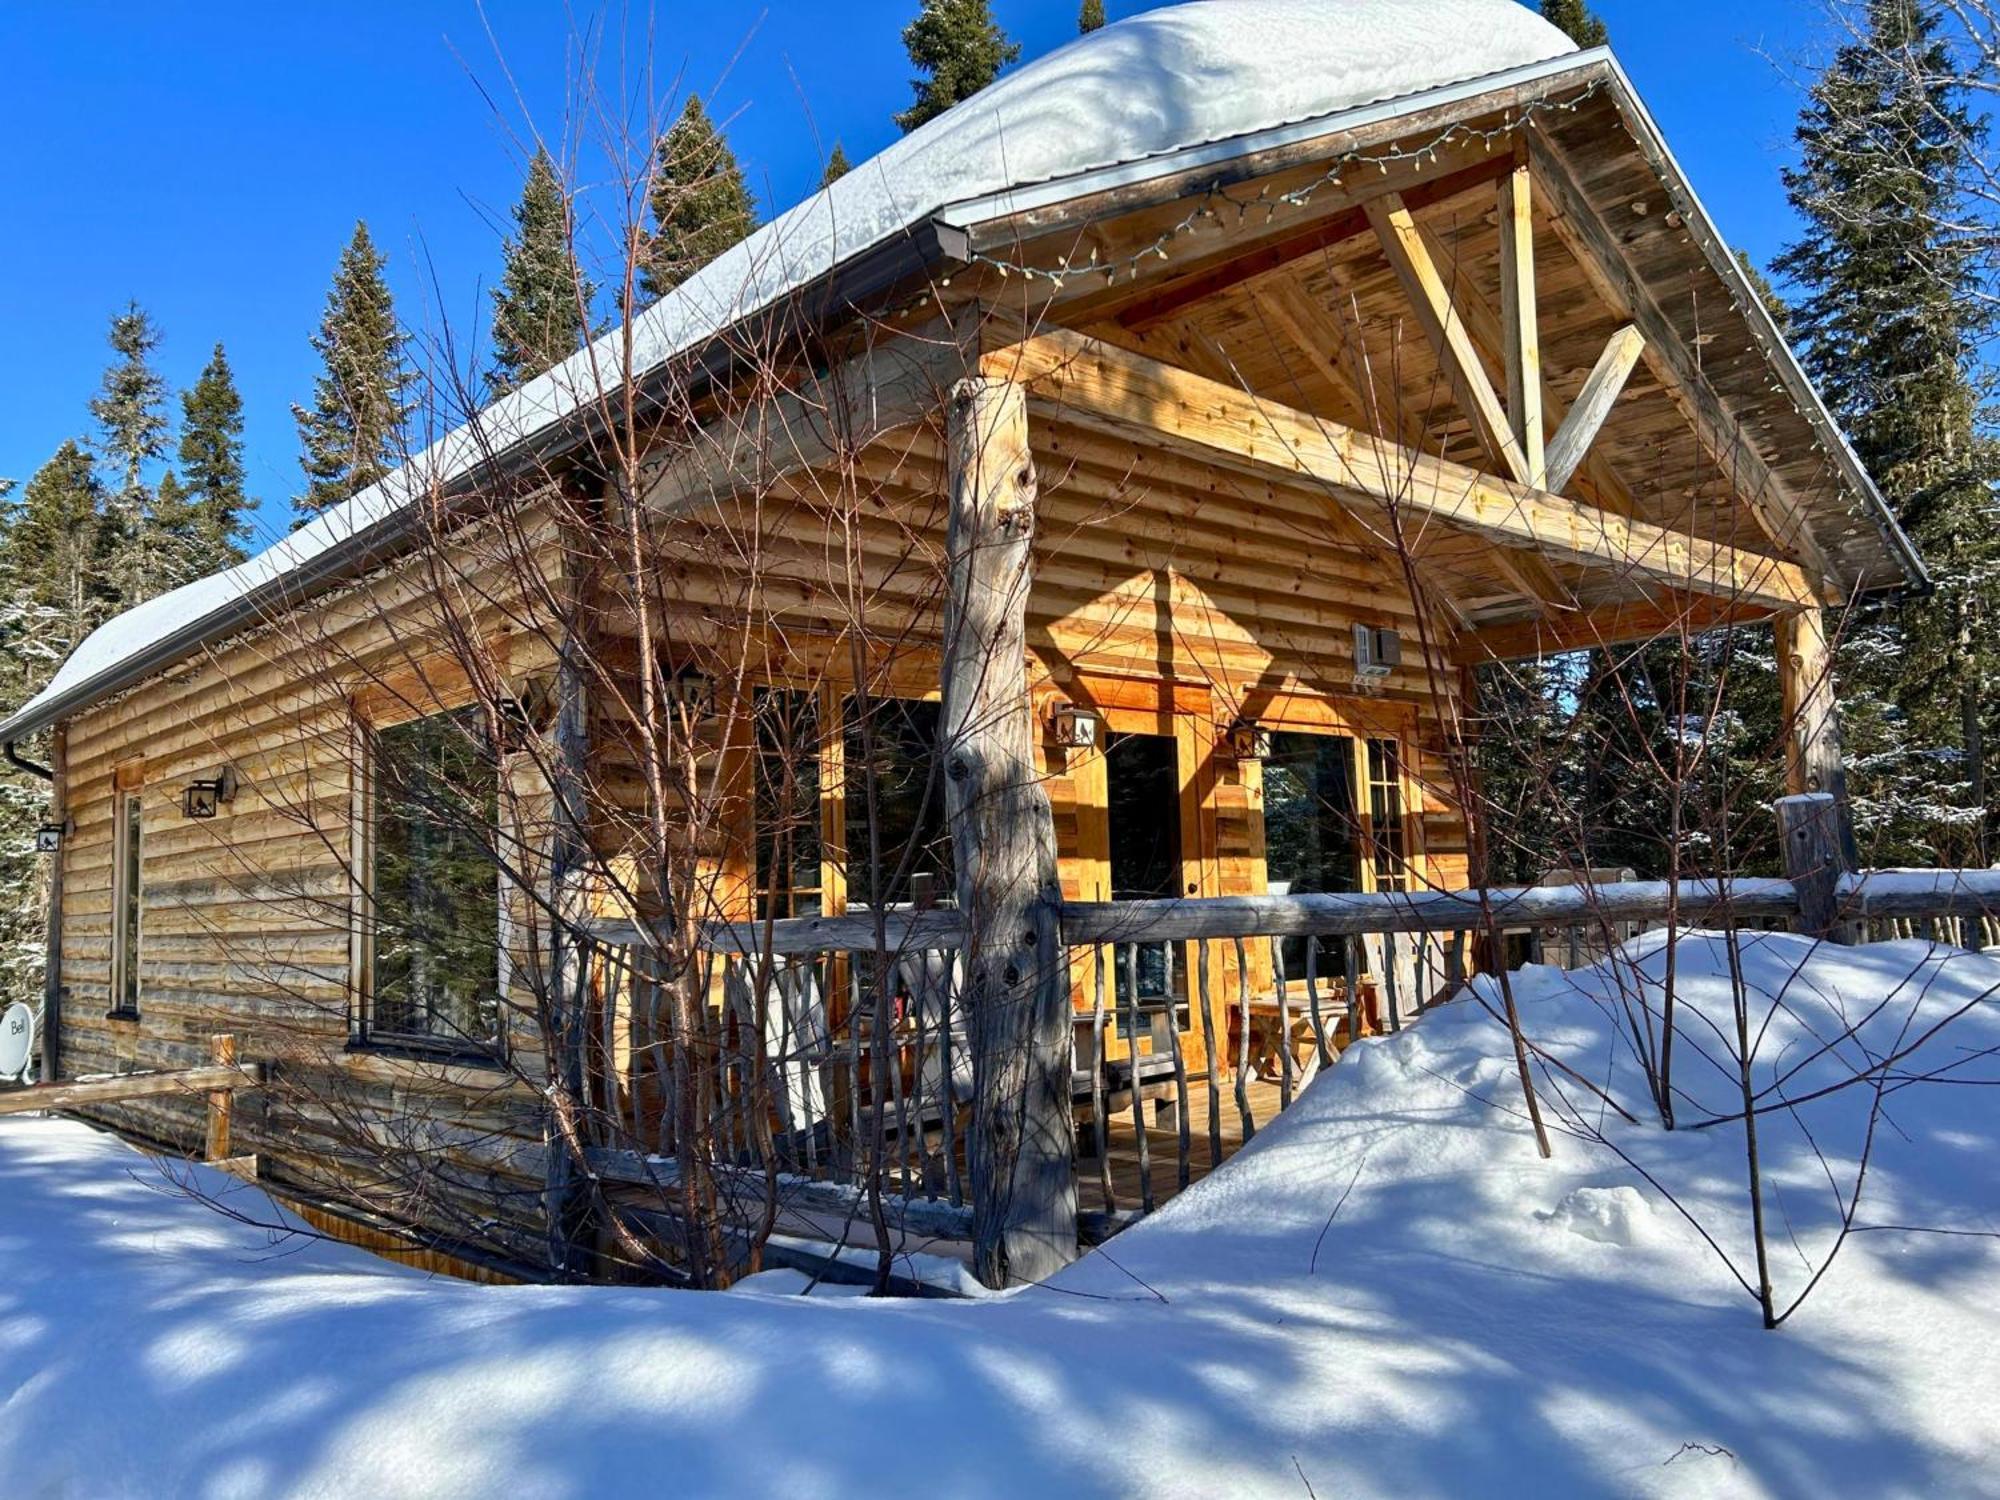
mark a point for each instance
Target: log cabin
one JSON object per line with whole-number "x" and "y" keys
{"x": 1152, "y": 442}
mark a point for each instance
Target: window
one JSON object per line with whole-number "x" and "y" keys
{"x": 433, "y": 959}
{"x": 890, "y": 755}
{"x": 1385, "y": 812}
{"x": 882, "y": 762}
{"x": 1312, "y": 842}
{"x": 127, "y": 900}
{"x": 789, "y": 845}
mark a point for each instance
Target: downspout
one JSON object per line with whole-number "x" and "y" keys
{"x": 52, "y": 964}
{"x": 21, "y": 763}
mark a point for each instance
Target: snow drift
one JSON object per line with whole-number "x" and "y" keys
{"x": 1388, "y": 1293}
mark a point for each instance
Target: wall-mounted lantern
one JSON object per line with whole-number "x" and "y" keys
{"x": 1249, "y": 740}
{"x": 1072, "y": 726}
{"x": 201, "y": 798}
{"x": 49, "y": 837}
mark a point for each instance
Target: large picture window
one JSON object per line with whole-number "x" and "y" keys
{"x": 434, "y": 939}
{"x": 128, "y": 900}
{"x": 888, "y": 804}
{"x": 790, "y": 849}
{"x": 889, "y": 759}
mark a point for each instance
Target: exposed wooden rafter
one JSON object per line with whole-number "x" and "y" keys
{"x": 1430, "y": 298}
{"x": 1520, "y": 321}
{"x": 1285, "y": 307}
{"x": 1096, "y": 384}
{"x": 1154, "y": 305}
{"x": 1585, "y": 419}
{"x": 1618, "y": 625}
{"x": 1583, "y": 232}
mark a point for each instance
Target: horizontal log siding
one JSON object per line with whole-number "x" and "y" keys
{"x": 245, "y": 917}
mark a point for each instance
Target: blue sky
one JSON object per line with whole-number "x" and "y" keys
{"x": 210, "y": 159}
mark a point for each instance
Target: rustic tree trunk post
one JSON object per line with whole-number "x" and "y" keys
{"x": 221, "y": 1102}
{"x": 565, "y": 1196}
{"x": 1814, "y": 863}
{"x": 1812, "y": 720}
{"x": 1023, "y": 1138}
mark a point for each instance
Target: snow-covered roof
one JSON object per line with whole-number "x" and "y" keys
{"x": 1154, "y": 85}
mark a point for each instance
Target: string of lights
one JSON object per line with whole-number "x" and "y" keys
{"x": 1217, "y": 202}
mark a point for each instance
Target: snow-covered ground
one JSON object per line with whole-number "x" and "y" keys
{"x": 1387, "y": 1294}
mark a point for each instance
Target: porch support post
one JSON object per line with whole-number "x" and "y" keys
{"x": 566, "y": 1195}
{"x": 1812, "y": 738}
{"x": 1023, "y": 1138}
{"x": 1812, "y": 720}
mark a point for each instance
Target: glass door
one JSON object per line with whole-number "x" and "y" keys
{"x": 1143, "y": 817}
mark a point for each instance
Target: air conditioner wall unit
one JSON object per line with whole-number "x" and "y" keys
{"x": 1377, "y": 652}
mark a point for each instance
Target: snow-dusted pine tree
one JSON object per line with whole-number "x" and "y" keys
{"x": 837, "y": 166}
{"x": 353, "y": 433}
{"x": 1892, "y": 324}
{"x": 1577, "y": 21}
{"x": 1091, "y": 17}
{"x": 960, "y": 49}
{"x": 539, "y": 308}
{"x": 700, "y": 203}
{"x": 32, "y": 642}
{"x": 132, "y": 436}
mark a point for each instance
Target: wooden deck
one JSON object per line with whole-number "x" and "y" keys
{"x": 1163, "y": 1144}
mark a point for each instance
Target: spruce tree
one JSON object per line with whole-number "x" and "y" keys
{"x": 57, "y": 547}
{"x": 836, "y": 167}
{"x": 538, "y": 308}
{"x": 32, "y": 644}
{"x": 1892, "y": 327}
{"x": 352, "y": 434}
{"x": 700, "y": 204}
{"x": 201, "y": 503}
{"x": 1577, "y": 21}
{"x": 960, "y": 49}
{"x": 1776, "y": 306}
{"x": 1091, "y": 17}
{"x": 132, "y": 436}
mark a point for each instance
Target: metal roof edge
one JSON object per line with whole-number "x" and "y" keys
{"x": 961, "y": 217}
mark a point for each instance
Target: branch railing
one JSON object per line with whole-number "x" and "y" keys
{"x": 842, "y": 1058}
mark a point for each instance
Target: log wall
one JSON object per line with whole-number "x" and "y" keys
{"x": 1169, "y": 597}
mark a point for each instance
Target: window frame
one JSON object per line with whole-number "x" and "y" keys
{"x": 363, "y": 1033}
{"x": 833, "y": 718}
{"x": 128, "y": 894}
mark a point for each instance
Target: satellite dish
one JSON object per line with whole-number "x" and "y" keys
{"x": 17, "y": 1041}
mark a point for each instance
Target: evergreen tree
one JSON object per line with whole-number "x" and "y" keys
{"x": 836, "y": 167}
{"x": 1892, "y": 327}
{"x": 30, "y": 648}
{"x": 132, "y": 424}
{"x": 1577, "y": 21}
{"x": 960, "y": 49}
{"x": 538, "y": 308}
{"x": 201, "y": 504}
{"x": 56, "y": 548}
{"x": 352, "y": 434}
{"x": 700, "y": 204}
{"x": 1091, "y": 17}
{"x": 1776, "y": 306}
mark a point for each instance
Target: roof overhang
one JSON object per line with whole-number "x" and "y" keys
{"x": 953, "y": 233}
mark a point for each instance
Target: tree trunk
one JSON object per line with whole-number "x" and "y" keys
{"x": 1022, "y": 1145}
